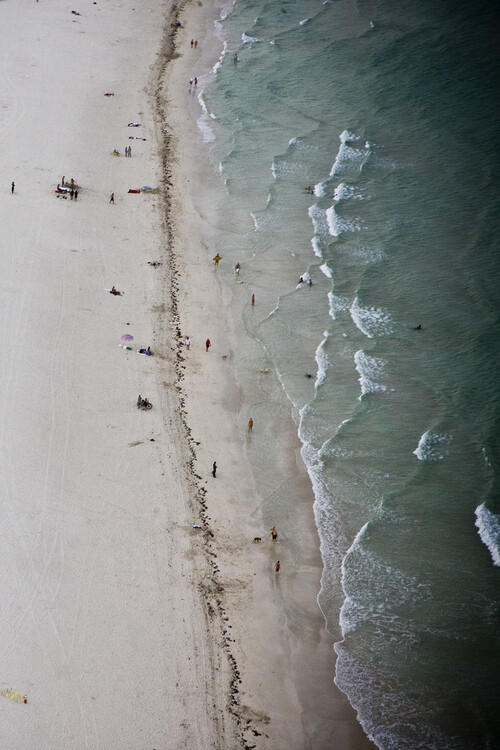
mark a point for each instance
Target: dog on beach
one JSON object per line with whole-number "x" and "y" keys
{"x": 257, "y": 539}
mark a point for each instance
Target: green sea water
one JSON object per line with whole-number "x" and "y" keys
{"x": 389, "y": 114}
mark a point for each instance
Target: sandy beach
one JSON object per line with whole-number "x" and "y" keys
{"x": 136, "y": 609}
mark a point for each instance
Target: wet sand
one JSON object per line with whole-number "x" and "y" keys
{"x": 284, "y": 655}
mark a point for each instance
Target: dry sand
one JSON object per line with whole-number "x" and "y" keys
{"x": 123, "y": 625}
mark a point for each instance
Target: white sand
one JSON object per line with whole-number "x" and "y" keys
{"x": 101, "y": 622}
{"x": 112, "y": 606}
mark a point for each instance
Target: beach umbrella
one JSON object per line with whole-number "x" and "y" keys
{"x": 127, "y": 337}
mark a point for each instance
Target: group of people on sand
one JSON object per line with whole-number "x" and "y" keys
{"x": 64, "y": 189}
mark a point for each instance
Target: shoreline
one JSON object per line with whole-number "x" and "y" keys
{"x": 287, "y": 691}
{"x": 124, "y": 623}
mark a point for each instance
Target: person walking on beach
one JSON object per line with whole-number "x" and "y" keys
{"x": 12, "y": 187}
{"x": 76, "y": 194}
{"x": 277, "y": 567}
{"x": 112, "y": 198}
{"x": 253, "y": 300}
{"x": 207, "y": 345}
{"x": 250, "y": 424}
{"x": 274, "y": 534}
{"x": 214, "y": 469}
{"x": 188, "y": 342}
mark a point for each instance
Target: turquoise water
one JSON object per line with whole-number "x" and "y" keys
{"x": 390, "y": 115}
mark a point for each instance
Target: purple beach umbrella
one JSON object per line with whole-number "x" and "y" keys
{"x": 127, "y": 337}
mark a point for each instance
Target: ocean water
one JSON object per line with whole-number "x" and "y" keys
{"x": 388, "y": 112}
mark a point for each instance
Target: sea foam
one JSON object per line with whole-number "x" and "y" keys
{"x": 326, "y": 271}
{"x": 348, "y": 156}
{"x": 319, "y": 221}
{"x": 339, "y": 224}
{"x": 219, "y": 62}
{"x": 429, "y": 446}
{"x": 202, "y": 122}
{"x": 316, "y": 246}
{"x": 488, "y": 526}
{"x": 372, "y": 321}
{"x": 345, "y": 192}
{"x": 337, "y": 304}
{"x": 370, "y": 371}
{"x": 322, "y": 361}
{"x": 249, "y": 39}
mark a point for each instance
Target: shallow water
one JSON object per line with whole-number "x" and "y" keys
{"x": 389, "y": 115}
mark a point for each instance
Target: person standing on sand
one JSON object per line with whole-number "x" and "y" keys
{"x": 188, "y": 342}
{"x": 76, "y": 194}
{"x": 12, "y": 187}
{"x": 277, "y": 567}
{"x": 207, "y": 345}
{"x": 112, "y": 198}
{"x": 253, "y": 300}
{"x": 274, "y": 534}
{"x": 250, "y": 424}
{"x": 214, "y": 469}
